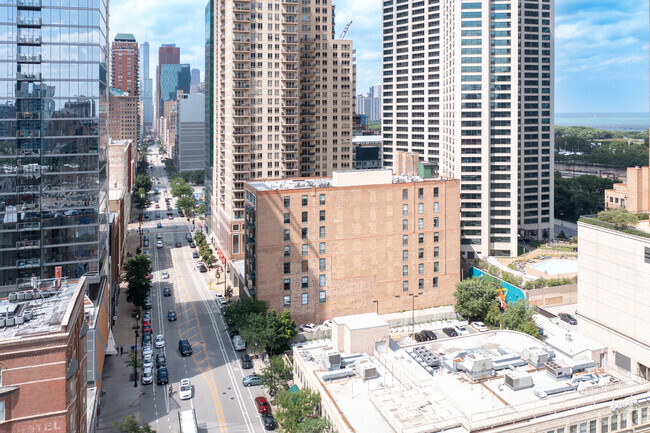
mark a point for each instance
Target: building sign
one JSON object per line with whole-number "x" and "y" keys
{"x": 647, "y": 255}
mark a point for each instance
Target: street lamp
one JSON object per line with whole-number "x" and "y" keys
{"x": 135, "y": 351}
{"x": 376, "y": 302}
{"x": 413, "y": 309}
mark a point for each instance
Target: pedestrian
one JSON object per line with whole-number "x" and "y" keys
{"x": 121, "y": 350}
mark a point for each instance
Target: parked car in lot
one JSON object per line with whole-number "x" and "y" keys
{"x": 251, "y": 380}
{"x": 461, "y": 330}
{"x": 171, "y": 316}
{"x": 158, "y": 235}
{"x": 184, "y": 347}
{"x": 479, "y": 326}
{"x": 269, "y": 421}
{"x": 450, "y": 332}
{"x": 308, "y": 327}
{"x": 167, "y": 291}
{"x": 419, "y": 337}
{"x": 429, "y": 334}
{"x": 566, "y": 317}
{"x": 185, "y": 389}
{"x": 246, "y": 362}
{"x": 262, "y": 405}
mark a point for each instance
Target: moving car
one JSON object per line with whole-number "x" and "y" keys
{"x": 171, "y": 316}
{"x": 479, "y": 326}
{"x": 566, "y": 317}
{"x": 159, "y": 225}
{"x": 195, "y": 255}
{"x": 160, "y": 341}
{"x": 147, "y": 376}
{"x": 308, "y": 327}
{"x": 184, "y": 347}
{"x": 159, "y": 244}
{"x": 162, "y": 377}
{"x": 251, "y": 380}
{"x": 158, "y": 235}
{"x": 461, "y": 330}
{"x": 246, "y": 362}
{"x": 185, "y": 389}
{"x": 167, "y": 291}
{"x": 161, "y": 361}
{"x": 165, "y": 275}
{"x": 238, "y": 342}
{"x": 262, "y": 405}
{"x": 268, "y": 421}
{"x": 450, "y": 332}
{"x": 178, "y": 244}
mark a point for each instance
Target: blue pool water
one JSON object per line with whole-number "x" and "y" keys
{"x": 555, "y": 266}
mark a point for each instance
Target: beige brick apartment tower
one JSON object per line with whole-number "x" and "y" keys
{"x": 280, "y": 100}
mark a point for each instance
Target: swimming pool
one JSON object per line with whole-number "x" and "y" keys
{"x": 555, "y": 266}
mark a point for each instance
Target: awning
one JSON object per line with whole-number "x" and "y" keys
{"x": 111, "y": 347}
{"x": 293, "y": 388}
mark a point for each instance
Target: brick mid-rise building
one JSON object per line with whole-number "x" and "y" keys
{"x": 43, "y": 361}
{"x": 125, "y": 64}
{"x": 360, "y": 241}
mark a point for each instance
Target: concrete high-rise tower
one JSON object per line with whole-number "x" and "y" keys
{"x": 146, "y": 87}
{"x": 281, "y": 95}
{"x": 54, "y": 144}
{"x": 473, "y": 91}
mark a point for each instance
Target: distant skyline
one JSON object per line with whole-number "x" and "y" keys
{"x": 601, "y": 47}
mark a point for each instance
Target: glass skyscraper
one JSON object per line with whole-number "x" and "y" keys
{"x": 53, "y": 139}
{"x": 172, "y": 79}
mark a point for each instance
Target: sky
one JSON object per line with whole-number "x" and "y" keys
{"x": 601, "y": 47}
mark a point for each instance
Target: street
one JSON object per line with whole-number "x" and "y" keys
{"x": 221, "y": 402}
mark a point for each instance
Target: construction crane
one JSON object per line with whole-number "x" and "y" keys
{"x": 345, "y": 31}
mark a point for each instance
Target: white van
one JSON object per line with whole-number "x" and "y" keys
{"x": 238, "y": 343}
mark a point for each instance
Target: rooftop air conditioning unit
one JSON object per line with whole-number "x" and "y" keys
{"x": 365, "y": 369}
{"x": 331, "y": 359}
{"x": 516, "y": 381}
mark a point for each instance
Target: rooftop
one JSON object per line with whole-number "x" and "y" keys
{"x": 361, "y": 321}
{"x": 36, "y": 312}
{"x": 466, "y": 383}
{"x": 124, "y": 37}
{"x": 374, "y": 139}
{"x": 641, "y": 229}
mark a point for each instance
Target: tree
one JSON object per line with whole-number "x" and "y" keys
{"x": 620, "y": 217}
{"x": 180, "y": 188}
{"x": 141, "y": 199}
{"x": 519, "y": 317}
{"x": 256, "y": 332}
{"x": 186, "y": 203}
{"x": 583, "y": 195}
{"x": 237, "y": 313}
{"x": 562, "y": 236}
{"x": 130, "y": 425}
{"x": 134, "y": 361}
{"x": 493, "y": 316}
{"x": 228, "y": 292}
{"x": 276, "y": 375}
{"x": 298, "y": 412}
{"x": 474, "y": 296}
{"x": 206, "y": 254}
{"x": 143, "y": 181}
{"x": 199, "y": 238}
{"x": 137, "y": 268}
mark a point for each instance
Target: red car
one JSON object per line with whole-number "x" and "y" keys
{"x": 148, "y": 277}
{"x": 262, "y": 405}
{"x": 146, "y": 327}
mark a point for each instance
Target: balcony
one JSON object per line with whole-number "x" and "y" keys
{"x": 28, "y": 58}
{"x": 23, "y": 76}
{"x": 28, "y": 245}
{"x": 25, "y": 133}
{"x": 28, "y": 21}
{"x": 29, "y": 4}
{"x": 29, "y": 40}
{"x": 28, "y": 263}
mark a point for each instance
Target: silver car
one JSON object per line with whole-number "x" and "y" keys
{"x": 147, "y": 376}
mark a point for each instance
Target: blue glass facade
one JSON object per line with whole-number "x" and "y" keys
{"x": 172, "y": 79}
{"x": 53, "y": 139}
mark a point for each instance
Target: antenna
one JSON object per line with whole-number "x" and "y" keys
{"x": 345, "y": 31}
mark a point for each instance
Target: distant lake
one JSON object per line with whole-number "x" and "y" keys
{"x": 609, "y": 121}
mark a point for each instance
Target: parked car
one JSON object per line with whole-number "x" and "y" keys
{"x": 262, "y": 405}
{"x": 450, "y": 332}
{"x": 171, "y": 218}
{"x": 251, "y": 380}
{"x": 145, "y": 243}
{"x": 158, "y": 235}
{"x": 160, "y": 341}
{"x": 147, "y": 362}
{"x": 159, "y": 244}
{"x": 461, "y": 330}
{"x": 198, "y": 264}
{"x": 147, "y": 350}
{"x": 223, "y": 303}
{"x": 146, "y": 316}
{"x": 185, "y": 389}
{"x": 146, "y": 327}
{"x": 161, "y": 361}
{"x": 566, "y": 317}
{"x": 195, "y": 255}
{"x": 328, "y": 323}
{"x": 246, "y": 362}
{"x": 238, "y": 342}
{"x": 146, "y": 338}
{"x": 171, "y": 316}
{"x": 167, "y": 291}
{"x": 147, "y": 304}
{"x": 203, "y": 269}
{"x": 184, "y": 347}
{"x": 308, "y": 327}
{"x": 430, "y": 335}
{"x": 192, "y": 245}
{"x": 157, "y": 215}
{"x": 162, "y": 377}
{"x": 419, "y": 337}
{"x": 479, "y": 326}
{"x": 188, "y": 236}
{"x": 147, "y": 376}
{"x": 268, "y": 421}
{"x": 165, "y": 275}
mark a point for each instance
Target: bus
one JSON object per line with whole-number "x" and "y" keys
{"x": 187, "y": 421}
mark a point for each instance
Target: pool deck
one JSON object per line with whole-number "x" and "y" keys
{"x": 526, "y": 263}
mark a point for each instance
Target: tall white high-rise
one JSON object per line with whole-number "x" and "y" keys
{"x": 469, "y": 85}
{"x": 280, "y": 101}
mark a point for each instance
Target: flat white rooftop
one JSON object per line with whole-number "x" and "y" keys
{"x": 361, "y": 321}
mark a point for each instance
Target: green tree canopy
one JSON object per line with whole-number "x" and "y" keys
{"x": 519, "y": 317}
{"x": 474, "y": 297}
{"x": 130, "y": 425}
{"x": 619, "y": 217}
{"x": 237, "y": 313}
{"x": 276, "y": 375}
{"x": 298, "y": 412}
{"x": 143, "y": 181}
{"x": 137, "y": 268}
{"x": 582, "y": 195}
{"x": 268, "y": 331}
{"x": 180, "y": 188}
{"x": 140, "y": 199}
{"x": 186, "y": 203}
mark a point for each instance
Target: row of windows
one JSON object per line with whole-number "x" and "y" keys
{"x": 304, "y": 233}
{"x": 304, "y": 298}
{"x": 304, "y": 201}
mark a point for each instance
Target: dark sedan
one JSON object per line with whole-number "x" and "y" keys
{"x": 450, "y": 332}
{"x": 246, "y": 362}
{"x": 566, "y": 317}
{"x": 162, "y": 378}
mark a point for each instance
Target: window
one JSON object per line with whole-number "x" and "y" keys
{"x": 421, "y": 253}
{"x": 321, "y": 248}
{"x": 287, "y": 267}
{"x": 287, "y": 251}
{"x": 436, "y": 251}
{"x": 287, "y": 283}
{"x": 644, "y": 415}
{"x": 436, "y": 207}
{"x": 305, "y": 298}
{"x": 604, "y": 424}
{"x": 405, "y": 209}
{"x": 635, "y": 417}
{"x": 287, "y": 218}
{"x": 322, "y": 216}
{"x": 305, "y": 249}
{"x": 420, "y": 208}
{"x": 287, "y": 300}
{"x": 287, "y": 235}
{"x": 304, "y": 266}
{"x": 421, "y": 268}
{"x": 405, "y": 255}
{"x": 421, "y": 223}
{"x": 305, "y": 217}
{"x": 435, "y": 192}
{"x": 405, "y": 271}
{"x": 420, "y": 192}
{"x": 623, "y": 419}
{"x": 405, "y": 286}
{"x": 322, "y": 280}
{"x": 322, "y": 264}
{"x": 304, "y": 282}
{"x": 436, "y": 236}
{"x": 321, "y": 231}
{"x": 614, "y": 424}
{"x": 405, "y": 240}
{"x": 436, "y": 266}
{"x": 287, "y": 202}
{"x": 405, "y": 224}
{"x": 420, "y": 284}
{"x": 305, "y": 200}
{"x": 321, "y": 199}
{"x": 435, "y": 282}
{"x": 405, "y": 194}
{"x": 421, "y": 238}
{"x": 436, "y": 222}
{"x": 322, "y": 297}
{"x": 304, "y": 233}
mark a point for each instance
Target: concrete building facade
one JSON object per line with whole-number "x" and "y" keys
{"x": 146, "y": 86}
{"x": 125, "y": 64}
{"x": 282, "y": 95}
{"x": 632, "y": 195}
{"x": 613, "y": 292}
{"x": 331, "y": 246}
{"x": 190, "y": 132}
{"x": 470, "y": 86}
